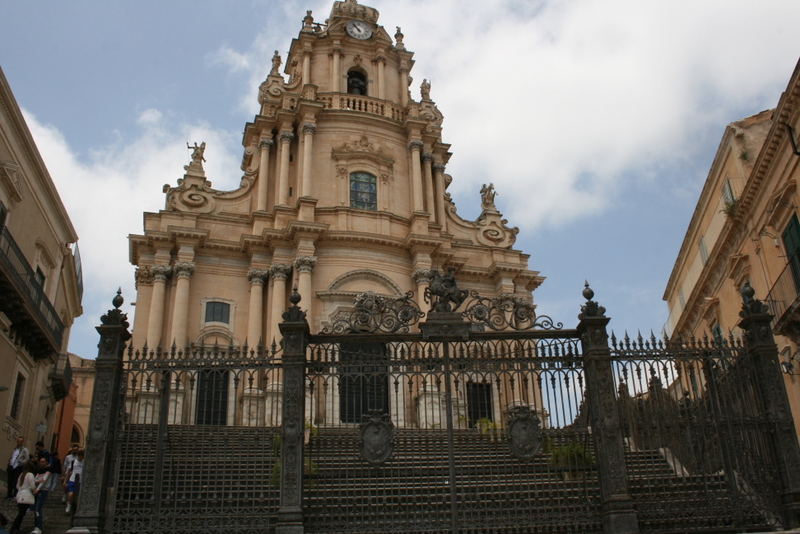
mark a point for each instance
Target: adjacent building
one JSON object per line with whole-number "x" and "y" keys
{"x": 40, "y": 286}
{"x": 745, "y": 230}
{"x": 343, "y": 191}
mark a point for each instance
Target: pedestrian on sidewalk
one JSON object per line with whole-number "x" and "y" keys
{"x": 19, "y": 457}
{"x": 25, "y": 486}
{"x": 41, "y": 492}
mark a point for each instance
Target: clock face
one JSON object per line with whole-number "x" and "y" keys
{"x": 358, "y": 29}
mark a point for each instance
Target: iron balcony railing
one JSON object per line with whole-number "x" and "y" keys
{"x": 61, "y": 377}
{"x": 21, "y": 275}
{"x": 783, "y": 295}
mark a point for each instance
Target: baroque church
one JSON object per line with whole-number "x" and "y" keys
{"x": 343, "y": 191}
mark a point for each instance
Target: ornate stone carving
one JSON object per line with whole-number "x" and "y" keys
{"x": 280, "y": 271}
{"x": 487, "y": 197}
{"x": 422, "y": 276}
{"x": 184, "y": 269}
{"x": 309, "y": 128}
{"x": 266, "y": 144}
{"x": 352, "y": 9}
{"x": 524, "y": 433}
{"x": 305, "y": 264}
{"x": 415, "y": 145}
{"x": 197, "y": 156}
{"x": 376, "y": 438}
{"x": 425, "y": 89}
{"x": 439, "y": 168}
{"x": 9, "y": 181}
{"x": 286, "y": 137}
{"x": 276, "y": 64}
{"x": 143, "y": 276}
{"x": 161, "y": 273}
{"x": 427, "y": 157}
{"x": 257, "y": 276}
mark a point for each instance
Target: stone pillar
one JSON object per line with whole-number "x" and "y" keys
{"x": 619, "y": 515}
{"x": 760, "y": 343}
{"x": 438, "y": 173}
{"x": 336, "y": 76}
{"x": 155, "y": 324}
{"x": 308, "y": 136}
{"x": 255, "y": 315}
{"x": 286, "y": 139}
{"x": 415, "y": 147}
{"x": 279, "y": 273}
{"x": 306, "y": 67}
{"x": 403, "y": 87}
{"x": 263, "y": 173}
{"x": 104, "y": 423}
{"x": 184, "y": 271}
{"x": 427, "y": 184}
{"x": 381, "y": 63}
{"x": 304, "y": 266}
{"x": 294, "y": 329}
{"x": 422, "y": 278}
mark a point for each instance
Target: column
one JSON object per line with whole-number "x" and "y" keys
{"x": 403, "y": 87}
{"x": 155, "y": 324}
{"x": 184, "y": 271}
{"x": 422, "y": 278}
{"x": 336, "y": 76}
{"x": 255, "y": 316}
{"x": 308, "y": 136}
{"x": 279, "y": 273}
{"x": 286, "y": 139}
{"x": 263, "y": 170}
{"x": 416, "y": 174}
{"x": 761, "y": 349}
{"x": 381, "y": 64}
{"x": 304, "y": 265}
{"x": 619, "y": 515}
{"x": 99, "y": 470}
{"x": 438, "y": 173}
{"x": 427, "y": 184}
{"x": 306, "y": 67}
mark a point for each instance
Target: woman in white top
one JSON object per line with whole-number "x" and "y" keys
{"x": 25, "y": 486}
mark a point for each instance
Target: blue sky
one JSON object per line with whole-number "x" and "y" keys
{"x": 596, "y": 120}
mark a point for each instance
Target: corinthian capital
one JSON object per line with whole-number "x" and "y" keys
{"x": 280, "y": 271}
{"x": 161, "y": 273}
{"x": 421, "y": 276}
{"x": 415, "y": 145}
{"x": 184, "y": 269}
{"x": 305, "y": 264}
{"x": 257, "y": 276}
{"x": 266, "y": 144}
{"x": 309, "y": 128}
{"x": 438, "y": 168}
{"x": 427, "y": 157}
{"x": 287, "y": 137}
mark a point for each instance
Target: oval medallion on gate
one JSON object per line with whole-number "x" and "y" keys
{"x": 376, "y": 438}
{"x": 524, "y": 433}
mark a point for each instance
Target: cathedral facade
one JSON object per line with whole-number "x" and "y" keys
{"x": 344, "y": 191}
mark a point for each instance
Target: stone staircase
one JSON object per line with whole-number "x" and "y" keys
{"x": 217, "y": 472}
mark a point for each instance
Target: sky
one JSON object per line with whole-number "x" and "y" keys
{"x": 596, "y": 120}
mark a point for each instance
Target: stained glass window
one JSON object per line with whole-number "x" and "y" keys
{"x": 363, "y": 191}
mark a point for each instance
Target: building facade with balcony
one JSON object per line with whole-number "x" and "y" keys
{"x": 40, "y": 285}
{"x": 745, "y": 229}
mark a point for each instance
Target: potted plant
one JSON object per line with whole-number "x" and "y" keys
{"x": 570, "y": 460}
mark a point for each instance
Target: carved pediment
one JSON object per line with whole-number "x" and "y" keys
{"x": 9, "y": 181}
{"x": 362, "y": 148}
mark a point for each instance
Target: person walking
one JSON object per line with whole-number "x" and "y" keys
{"x": 66, "y": 468}
{"x": 19, "y": 457}
{"x": 73, "y": 486}
{"x": 42, "y": 490}
{"x": 25, "y": 486}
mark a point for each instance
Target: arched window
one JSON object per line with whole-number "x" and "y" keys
{"x": 363, "y": 191}
{"x": 356, "y": 83}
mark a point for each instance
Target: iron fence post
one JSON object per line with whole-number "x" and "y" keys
{"x": 755, "y": 323}
{"x": 295, "y": 332}
{"x": 98, "y": 470}
{"x": 619, "y": 515}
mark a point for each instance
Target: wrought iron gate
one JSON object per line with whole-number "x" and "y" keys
{"x": 492, "y": 420}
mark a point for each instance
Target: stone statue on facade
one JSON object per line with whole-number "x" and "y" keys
{"x": 487, "y": 196}
{"x": 197, "y": 155}
{"x": 425, "y": 89}
{"x": 276, "y": 63}
{"x": 444, "y": 288}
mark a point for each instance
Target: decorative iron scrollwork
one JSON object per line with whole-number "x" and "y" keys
{"x": 374, "y": 313}
{"x": 524, "y": 433}
{"x": 376, "y": 438}
{"x": 505, "y": 312}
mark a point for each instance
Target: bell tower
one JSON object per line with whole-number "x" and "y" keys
{"x": 343, "y": 191}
